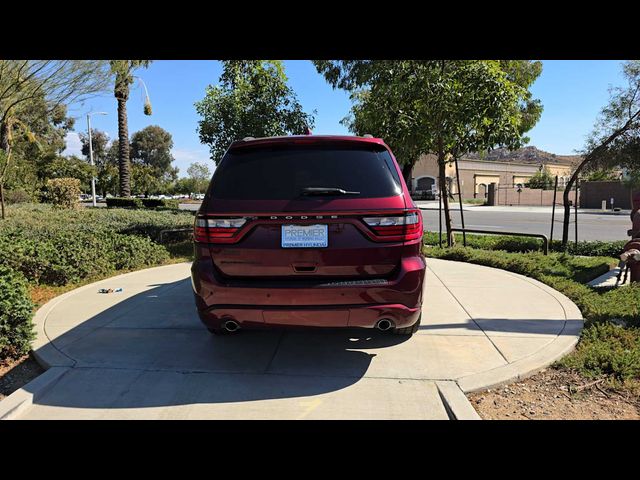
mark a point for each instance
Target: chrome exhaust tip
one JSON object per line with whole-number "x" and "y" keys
{"x": 231, "y": 326}
{"x": 384, "y": 325}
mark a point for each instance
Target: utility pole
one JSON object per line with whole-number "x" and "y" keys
{"x": 93, "y": 178}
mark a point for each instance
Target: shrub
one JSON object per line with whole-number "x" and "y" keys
{"x": 16, "y": 196}
{"x": 607, "y": 349}
{"x": 526, "y": 244}
{"x": 161, "y": 203}
{"x": 64, "y": 192}
{"x": 16, "y": 312}
{"x": 56, "y": 247}
{"x": 58, "y": 258}
{"x": 532, "y": 264}
{"x": 124, "y": 202}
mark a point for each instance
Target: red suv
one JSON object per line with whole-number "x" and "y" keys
{"x": 308, "y": 231}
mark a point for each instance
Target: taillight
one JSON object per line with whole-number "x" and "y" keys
{"x": 406, "y": 227}
{"x": 217, "y": 230}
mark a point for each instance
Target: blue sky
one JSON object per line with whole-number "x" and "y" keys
{"x": 572, "y": 93}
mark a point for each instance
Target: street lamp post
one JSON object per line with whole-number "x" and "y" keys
{"x": 93, "y": 179}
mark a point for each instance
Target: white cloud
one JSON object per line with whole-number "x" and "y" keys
{"x": 74, "y": 145}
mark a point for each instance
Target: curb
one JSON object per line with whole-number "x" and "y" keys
{"x": 527, "y": 366}
{"x": 455, "y": 402}
{"x": 16, "y": 403}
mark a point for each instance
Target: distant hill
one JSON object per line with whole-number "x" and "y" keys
{"x": 530, "y": 154}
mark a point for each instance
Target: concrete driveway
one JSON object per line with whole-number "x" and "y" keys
{"x": 143, "y": 354}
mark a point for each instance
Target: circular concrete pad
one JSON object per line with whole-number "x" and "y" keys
{"x": 143, "y": 353}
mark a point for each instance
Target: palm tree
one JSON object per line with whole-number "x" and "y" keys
{"x": 123, "y": 72}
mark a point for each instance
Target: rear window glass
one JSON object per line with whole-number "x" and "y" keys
{"x": 282, "y": 172}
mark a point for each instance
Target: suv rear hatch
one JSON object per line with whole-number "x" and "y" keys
{"x": 265, "y": 197}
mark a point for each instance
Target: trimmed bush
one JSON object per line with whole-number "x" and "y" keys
{"x": 161, "y": 203}
{"x": 532, "y": 264}
{"x": 524, "y": 244}
{"x": 116, "y": 202}
{"x": 607, "y": 349}
{"x": 16, "y": 313}
{"x": 16, "y": 196}
{"x": 56, "y": 247}
{"x": 64, "y": 192}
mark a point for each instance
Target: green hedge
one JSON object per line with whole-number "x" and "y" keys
{"x": 16, "y": 313}
{"x": 116, "y": 202}
{"x": 160, "y": 203}
{"x": 39, "y": 219}
{"x": 524, "y": 244}
{"x": 56, "y": 247}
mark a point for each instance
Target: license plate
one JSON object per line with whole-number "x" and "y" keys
{"x": 304, "y": 236}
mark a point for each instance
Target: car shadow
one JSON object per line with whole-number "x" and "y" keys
{"x": 499, "y": 326}
{"x": 150, "y": 350}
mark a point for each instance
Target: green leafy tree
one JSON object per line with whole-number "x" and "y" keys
{"x": 151, "y": 147}
{"x": 252, "y": 99}
{"x": 55, "y": 82}
{"x": 105, "y": 161}
{"x": 199, "y": 174}
{"x": 31, "y": 159}
{"x": 70, "y": 167}
{"x": 122, "y": 71}
{"x": 602, "y": 175}
{"x": 615, "y": 136}
{"x": 442, "y": 107}
{"x": 542, "y": 179}
{"x": 145, "y": 181}
{"x": 183, "y": 186}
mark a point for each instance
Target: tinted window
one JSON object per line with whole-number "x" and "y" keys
{"x": 280, "y": 173}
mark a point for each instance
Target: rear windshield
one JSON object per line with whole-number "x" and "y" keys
{"x": 282, "y": 172}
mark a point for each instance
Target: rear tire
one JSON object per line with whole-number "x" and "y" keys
{"x": 408, "y": 330}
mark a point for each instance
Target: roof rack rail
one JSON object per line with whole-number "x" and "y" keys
{"x": 367, "y": 135}
{"x": 246, "y": 139}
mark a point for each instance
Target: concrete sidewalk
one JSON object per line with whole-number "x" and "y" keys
{"x": 143, "y": 353}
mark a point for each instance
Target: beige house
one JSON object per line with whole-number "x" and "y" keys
{"x": 507, "y": 169}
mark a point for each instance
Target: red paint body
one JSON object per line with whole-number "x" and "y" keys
{"x": 364, "y": 274}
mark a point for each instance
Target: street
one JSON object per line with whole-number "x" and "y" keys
{"x": 592, "y": 225}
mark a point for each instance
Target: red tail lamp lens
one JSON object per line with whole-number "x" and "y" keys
{"x": 408, "y": 226}
{"x": 221, "y": 230}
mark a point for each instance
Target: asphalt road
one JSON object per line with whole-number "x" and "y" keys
{"x": 591, "y": 225}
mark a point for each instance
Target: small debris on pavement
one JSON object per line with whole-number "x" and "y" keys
{"x": 110, "y": 290}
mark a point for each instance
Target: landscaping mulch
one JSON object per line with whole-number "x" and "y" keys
{"x": 556, "y": 395}
{"x": 16, "y": 373}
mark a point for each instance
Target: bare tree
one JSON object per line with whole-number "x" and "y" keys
{"x": 619, "y": 119}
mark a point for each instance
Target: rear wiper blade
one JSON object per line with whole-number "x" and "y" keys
{"x": 327, "y": 191}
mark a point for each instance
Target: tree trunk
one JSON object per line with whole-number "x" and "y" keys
{"x": 123, "y": 148}
{"x": 444, "y": 194}
{"x": 5, "y": 146}
{"x": 2, "y": 199}
{"x": 407, "y": 169}
{"x": 565, "y": 200}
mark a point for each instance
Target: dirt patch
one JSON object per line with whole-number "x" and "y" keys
{"x": 16, "y": 373}
{"x": 556, "y": 395}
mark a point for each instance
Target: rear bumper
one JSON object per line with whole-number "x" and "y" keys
{"x": 338, "y": 304}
